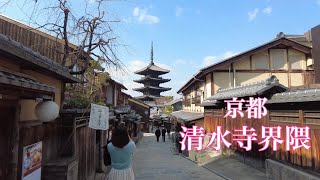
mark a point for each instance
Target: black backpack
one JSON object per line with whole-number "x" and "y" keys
{"x": 106, "y": 156}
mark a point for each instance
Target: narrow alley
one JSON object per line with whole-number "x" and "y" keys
{"x": 157, "y": 160}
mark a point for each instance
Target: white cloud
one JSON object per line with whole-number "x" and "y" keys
{"x": 229, "y": 54}
{"x": 208, "y": 60}
{"x": 179, "y": 11}
{"x": 180, "y": 62}
{"x": 268, "y": 10}
{"x": 142, "y": 16}
{"x": 253, "y": 14}
{"x": 136, "y": 12}
{"x": 91, "y": 1}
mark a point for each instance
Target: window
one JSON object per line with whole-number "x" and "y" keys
{"x": 187, "y": 100}
{"x": 278, "y": 58}
{"x": 260, "y": 61}
{"x": 197, "y": 99}
{"x": 297, "y": 59}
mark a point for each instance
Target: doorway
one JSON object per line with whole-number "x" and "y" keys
{"x": 7, "y": 119}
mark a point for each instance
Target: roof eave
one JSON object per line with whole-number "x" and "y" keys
{"x": 283, "y": 40}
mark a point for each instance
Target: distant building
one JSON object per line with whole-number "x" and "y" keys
{"x": 151, "y": 81}
{"x": 176, "y": 104}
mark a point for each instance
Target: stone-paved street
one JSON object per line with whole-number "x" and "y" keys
{"x": 157, "y": 160}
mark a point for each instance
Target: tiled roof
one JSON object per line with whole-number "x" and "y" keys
{"x": 139, "y": 102}
{"x": 252, "y": 89}
{"x": 305, "y": 95}
{"x": 153, "y": 68}
{"x": 119, "y": 84}
{"x": 173, "y": 102}
{"x": 17, "y": 49}
{"x": 187, "y": 116}
{"x": 272, "y": 43}
{"x": 122, "y": 109}
{"x": 210, "y": 102}
{"x": 146, "y": 97}
{"x": 159, "y": 79}
{"x": 152, "y": 87}
{"x": 23, "y": 82}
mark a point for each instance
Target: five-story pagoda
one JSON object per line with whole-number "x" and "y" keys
{"x": 151, "y": 81}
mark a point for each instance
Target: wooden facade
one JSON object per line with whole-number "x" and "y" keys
{"x": 307, "y": 159}
{"x": 143, "y": 110}
{"x": 38, "y": 41}
{"x": 288, "y": 58}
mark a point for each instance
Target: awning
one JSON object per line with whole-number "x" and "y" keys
{"x": 186, "y": 116}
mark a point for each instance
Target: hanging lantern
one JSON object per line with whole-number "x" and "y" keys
{"x": 47, "y": 111}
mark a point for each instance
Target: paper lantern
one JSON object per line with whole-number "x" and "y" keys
{"x": 47, "y": 111}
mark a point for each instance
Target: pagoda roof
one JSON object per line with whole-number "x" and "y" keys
{"x": 146, "y": 98}
{"x": 152, "y": 69}
{"x": 148, "y": 78}
{"x": 145, "y": 88}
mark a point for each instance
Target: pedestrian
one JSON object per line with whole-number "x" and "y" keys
{"x": 168, "y": 131}
{"x": 164, "y": 134}
{"x": 121, "y": 150}
{"x": 158, "y": 133}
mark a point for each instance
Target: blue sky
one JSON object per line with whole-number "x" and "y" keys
{"x": 190, "y": 34}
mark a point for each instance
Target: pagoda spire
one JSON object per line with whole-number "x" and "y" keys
{"x": 151, "y": 80}
{"x": 152, "y": 53}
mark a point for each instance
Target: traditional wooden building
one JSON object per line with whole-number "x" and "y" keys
{"x": 286, "y": 107}
{"x": 132, "y": 120}
{"x": 70, "y": 146}
{"x": 176, "y": 104}
{"x": 40, "y": 42}
{"x": 112, "y": 93}
{"x": 151, "y": 81}
{"x": 27, "y": 79}
{"x": 144, "y": 110}
{"x": 288, "y": 57}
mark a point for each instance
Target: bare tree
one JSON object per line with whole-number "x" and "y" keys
{"x": 86, "y": 36}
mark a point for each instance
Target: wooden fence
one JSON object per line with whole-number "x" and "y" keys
{"x": 85, "y": 148}
{"x": 307, "y": 159}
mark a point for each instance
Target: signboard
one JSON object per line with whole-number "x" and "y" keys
{"x": 31, "y": 162}
{"x": 99, "y": 117}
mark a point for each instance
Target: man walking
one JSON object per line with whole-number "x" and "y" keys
{"x": 168, "y": 131}
{"x": 158, "y": 133}
{"x": 164, "y": 134}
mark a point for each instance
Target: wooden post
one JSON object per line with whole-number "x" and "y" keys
{"x": 315, "y": 35}
{"x": 15, "y": 145}
{"x": 100, "y": 163}
{"x": 301, "y": 117}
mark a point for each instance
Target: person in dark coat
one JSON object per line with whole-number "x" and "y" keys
{"x": 168, "y": 131}
{"x": 164, "y": 134}
{"x": 158, "y": 133}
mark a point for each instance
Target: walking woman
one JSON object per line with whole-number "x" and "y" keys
{"x": 121, "y": 150}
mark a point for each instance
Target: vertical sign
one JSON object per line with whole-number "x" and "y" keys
{"x": 99, "y": 117}
{"x": 31, "y": 162}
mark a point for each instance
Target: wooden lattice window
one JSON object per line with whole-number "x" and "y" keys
{"x": 197, "y": 98}
{"x": 187, "y": 100}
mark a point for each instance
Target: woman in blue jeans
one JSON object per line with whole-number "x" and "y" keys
{"x": 121, "y": 150}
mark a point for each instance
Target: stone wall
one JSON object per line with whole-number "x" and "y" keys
{"x": 280, "y": 171}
